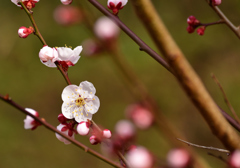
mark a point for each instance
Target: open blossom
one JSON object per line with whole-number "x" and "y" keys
{"x": 106, "y": 29}
{"x": 116, "y": 5}
{"x": 64, "y": 55}
{"x": 64, "y": 129}
{"x": 29, "y": 122}
{"x": 80, "y": 102}
{"x": 48, "y": 56}
{"x": 28, "y": 3}
{"x": 68, "y": 55}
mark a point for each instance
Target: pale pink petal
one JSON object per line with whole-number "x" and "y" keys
{"x": 93, "y": 105}
{"x": 88, "y": 87}
{"x": 70, "y": 92}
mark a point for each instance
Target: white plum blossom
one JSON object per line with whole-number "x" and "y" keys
{"x": 69, "y": 55}
{"x": 64, "y": 55}
{"x": 66, "y": 2}
{"x": 29, "y": 122}
{"x": 125, "y": 129}
{"x": 66, "y": 132}
{"x": 179, "y": 158}
{"x": 139, "y": 158}
{"x": 106, "y": 29}
{"x": 80, "y": 102}
{"x": 48, "y": 56}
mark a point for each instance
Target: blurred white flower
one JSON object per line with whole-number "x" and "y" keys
{"x": 124, "y": 129}
{"x": 234, "y": 159}
{"x": 29, "y": 122}
{"x": 139, "y": 158}
{"x": 106, "y": 29}
{"x": 64, "y": 129}
{"x": 178, "y": 158}
{"x": 80, "y": 102}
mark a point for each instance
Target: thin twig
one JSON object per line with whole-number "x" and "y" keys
{"x": 8, "y": 100}
{"x": 205, "y": 147}
{"x": 235, "y": 29}
{"x": 225, "y": 98}
{"x": 218, "y": 157}
{"x": 39, "y": 35}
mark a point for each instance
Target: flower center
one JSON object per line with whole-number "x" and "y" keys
{"x": 80, "y": 102}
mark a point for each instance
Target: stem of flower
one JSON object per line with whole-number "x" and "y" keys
{"x": 8, "y": 100}
{"x": 38, "y": 34}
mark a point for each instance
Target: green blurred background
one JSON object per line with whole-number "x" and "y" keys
{"x": 36, "y": 86}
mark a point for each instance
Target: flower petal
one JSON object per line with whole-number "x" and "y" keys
{"x": 64, "y": 53}
{"x": 83, "y": 117}
{"x": 68, "y": 109}
{"x": 88, "y": 88}
{"x": 93, "y": 105}
{"x": 49, "y": 63}
{"x": 77, "y": 50}
{"x": 70, "y": 92}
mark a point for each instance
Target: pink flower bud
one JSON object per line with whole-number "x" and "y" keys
{"x": 190, "y": 29}
{"x": 66, "y": 2}
{"x": 192, "y": 21}
{"x": 116, "y": 5}
{"x": 107, "y": 133}
{"x": 124, "y": 129}
{"x": 23, "y": 32}
{"x": 83, "y": 128}
{"x": 28, "y": 3}
{"x": 201, "y": 30}
{"x": 48, "y": 56}
{"x": 61, "y": 118}
{"x": 106, "y": 29}
{"x": 29, "y": 122}
{"x": 64, "y": 129}
{"x": 179, "y": 158}
{"x": 67, "y": 15}
{"x": 94, "y": 140}
{"x": 234, "y": 160}
{"x": 216, "y": 2}
{"x": 139, "y": 158}
{"x": 140, "y": 116}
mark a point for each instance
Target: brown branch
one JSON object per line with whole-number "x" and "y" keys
{"x": 8, "y": 100}
{"x": 225, "y": 98}
{"x": 205, "y": 147}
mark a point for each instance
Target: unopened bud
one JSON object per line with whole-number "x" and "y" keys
{"x": 201, "y": 30}
{"x": 61, "y": 118}
{"x": 94, "y": 140}
{"x": 23, "y": 32}
{"x": 107, "y": 133}
{"x": 66, "y": 2}
{"x": 83, "y": 128}
{"x": 29, "y": 122}
{"x": 216, "y": 2}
